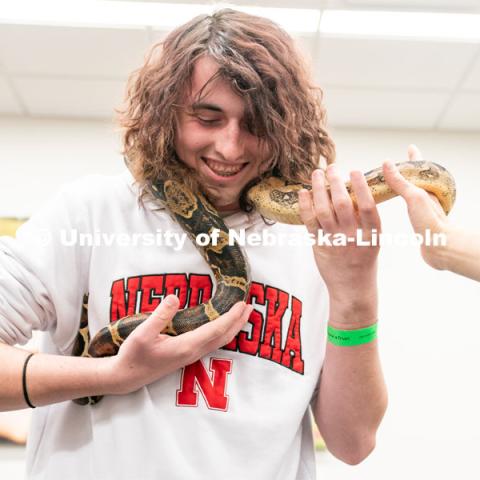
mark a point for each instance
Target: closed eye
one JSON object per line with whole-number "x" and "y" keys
{"x": 208, "y": 121}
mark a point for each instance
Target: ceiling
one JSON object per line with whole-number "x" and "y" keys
{"x": 80, "y": 72}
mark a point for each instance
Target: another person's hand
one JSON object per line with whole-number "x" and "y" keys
{"x": 424, "y": 209}
{"x": 147, "y": 355}
{"x": 349, "y": 271}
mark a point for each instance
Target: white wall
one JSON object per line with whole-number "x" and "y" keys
{"x": 429, "y": 321}
{"x": 37, "y": 156}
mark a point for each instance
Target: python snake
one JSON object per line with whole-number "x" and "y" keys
{"x": 275, "y": 199}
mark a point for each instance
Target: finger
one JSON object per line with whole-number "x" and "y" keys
{"x": 367, "y": 208}
{"x": 413, "y": 195}
{"x": 307, "y": 215}
{"x": 215, "y": 334}
{"x": 233, "y": 330}
{"x": 322, "y": 203}
{"x": 414, "y": 154}
{"x": 160, "y": 318}
{"x": 397, "y": 182}
{"x": 342, "y": 203}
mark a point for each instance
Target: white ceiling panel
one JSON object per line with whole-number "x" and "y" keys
{"x": 463, "y": 113}
{"x": 413, "y": 4}
{"x": 307, "y": 46}
{"x": 357, "y": 4}
{"x": 70, "y": 97}
{"x": 273, "y": 3}
{"x": 381, "y": 82}
{"x": 382, "y": 109}
{"x": 472, "y": 82}
{"x": 391, "y": 63}
{"x": 26, "y": 49}
{"x": 8, "y": 103}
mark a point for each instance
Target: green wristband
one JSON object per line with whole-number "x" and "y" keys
{"x": 349, "y": 338}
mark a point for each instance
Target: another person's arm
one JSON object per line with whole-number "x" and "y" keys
{"x": 352, "y": 396}
{"x": 144, "y": 357}
{"x": 461, "y": 254}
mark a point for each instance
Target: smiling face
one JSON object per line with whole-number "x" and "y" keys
{"x": 212, "y": 138}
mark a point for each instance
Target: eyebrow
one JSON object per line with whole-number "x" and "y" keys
{"x": 206, "y": 106}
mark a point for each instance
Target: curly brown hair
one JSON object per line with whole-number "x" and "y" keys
{"x": 260, "y": 61}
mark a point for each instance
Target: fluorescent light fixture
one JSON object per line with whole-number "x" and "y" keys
{"x": 97, "y": 13}
{"x": 418, "y": 25}
{"x": 298, "y": 20}
{"x": 111, "y": 14}
{"x": 139, "y": 14}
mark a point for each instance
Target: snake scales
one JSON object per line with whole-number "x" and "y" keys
{"x": 275, "y": 199}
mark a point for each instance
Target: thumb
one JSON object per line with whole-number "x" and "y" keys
{"x": 414, "y": 154}
{"x": 396, "y": 181}
{"x": 160, "y": 319}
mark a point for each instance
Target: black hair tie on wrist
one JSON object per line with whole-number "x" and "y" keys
{"x": 24, "y": 381}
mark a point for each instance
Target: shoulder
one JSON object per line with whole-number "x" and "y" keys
{"x": 90, "y": 197}
{"x": 96, "y": 187}
{"x": 94, "y": 191}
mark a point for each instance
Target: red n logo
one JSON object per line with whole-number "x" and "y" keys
{"x": 213, "y": 387}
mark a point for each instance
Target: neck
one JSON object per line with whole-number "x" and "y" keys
{"x": 228, "y": 209}
{"x": 225, "y": 213}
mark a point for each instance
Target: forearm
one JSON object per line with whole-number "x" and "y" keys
{"x": 50, "y": 378}
{"x": 352, "y": 396}
{"x": 461, "y": 254}
{"x": 144, "y": 357}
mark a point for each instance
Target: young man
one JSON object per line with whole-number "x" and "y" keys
{"x": 224, "y": 101}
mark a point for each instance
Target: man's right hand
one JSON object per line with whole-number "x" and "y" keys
{"x": 147, "y": 355}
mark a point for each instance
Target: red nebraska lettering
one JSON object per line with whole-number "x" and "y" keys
{"x": 292, "y": 353}
{"x": 277, "y": 303}
{"x": 152, "y": 289}
{"x": 263, "y": 337}
{"x": 123, "y": 301}
{"x": 200, "y": 289}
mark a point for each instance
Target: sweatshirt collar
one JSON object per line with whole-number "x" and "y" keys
{"x": 235, "y": 220}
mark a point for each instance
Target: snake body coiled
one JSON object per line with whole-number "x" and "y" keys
{"x": 229, "y": 265}
{"x": 275, "y": 199}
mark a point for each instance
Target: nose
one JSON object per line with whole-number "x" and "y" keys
{"x": 230, "y": 143}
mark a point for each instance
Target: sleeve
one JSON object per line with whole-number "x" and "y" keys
{"x": 43, "y": 276}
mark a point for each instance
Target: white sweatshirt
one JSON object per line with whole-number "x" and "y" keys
{"x": 241, "y": 412}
